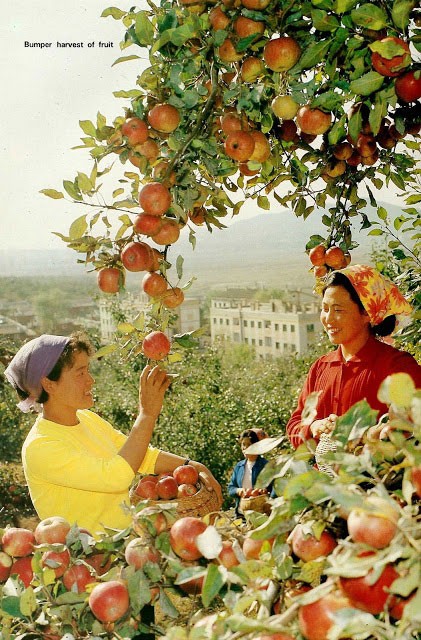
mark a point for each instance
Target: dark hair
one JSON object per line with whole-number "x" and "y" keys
{"x": 250, "y": 434}
{"x": 338, "y": 279}
{"x": 78, "y": 343}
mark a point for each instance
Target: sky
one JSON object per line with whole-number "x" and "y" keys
{"x": 46, "y": 91}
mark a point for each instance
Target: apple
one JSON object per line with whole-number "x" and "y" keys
{"x": 316, "y": 619}
{"x": 366, "y": 144}
{"x": 109, "y": 601}
{"x": 156, "y": 259}
{"x": 110, "y": 279}
{"x": 185, "y": 490}
{"x": 100, "y": 562}
{"x": 198, "y": 215}
{"x": 136, "y": 256}
{"x": 416, "y": 480}
{"x": 146, "y": 224}
{"x": 160, "y": 173}
{"x": 309, "y": 547}
{"x": 408, "y": 86}
{"x": 147, "y": 490}
{"x": 164, "y": 117}
{"x": 261, "y": 150}
{"x": 251, "y": 69}
{"x": 56, "y": 560}
{"x": 76, "y": 577}
{"x": 138, "y": 552}
{"x": 252, "y": 548}
{"x": 18, "y": 542}
{"x": 343, "y": 150}
{"x": 317, "y": 255}
{"x": 245, "y": 27}
{"x": 320, "y": 271}
{"x": 244, "y": 169}
{"x": 287, "y": 131}
{"x": 156, "y": 345}
{"x": 5, "y": 565}
{"x": 284, "y": 107}
{"x": 227, "y": 557}
{"x": 280, "y": 54}
{"x": 135, "y": 130}
{"x": 232, "y": 121}
{"x": 154, "y": 284}
{"x": 183, "y": 535}
{"x": 149, "y": 149}
{"x": 168, "y": 233}
{"x": 155, "y": 198}
{"x": 334, "y": 258}
{"x": 172, "y": 298}
{"x": 354, "y": 159}
{"x": 396, "y": 56}
{"x": 22, "y": 567}
{"x": 370, "y": 596}
{"x": 186, "y": 473}
{"x": 313, "y": 121}
{"x": 149, "y": 478}
{"x": 239, "y": 146}
{"x": 228, "y": 53}
{"x": 398, "y": 609}
{"x": 194, "y": 586}
{"x": 374, "y": 523}
{"x": 218, "y": 18}
{"x": 167, "y": 488}
{"x": 50, "y": 530}
{"x": 370, "y": 160}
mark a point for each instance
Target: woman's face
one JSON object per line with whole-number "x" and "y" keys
{"x": 73, "y": 390}
{"x": 343, "y": 320}
{"x": 244, "y": 444}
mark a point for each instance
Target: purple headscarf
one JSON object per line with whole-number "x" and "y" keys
{"x": 34, "y": 361}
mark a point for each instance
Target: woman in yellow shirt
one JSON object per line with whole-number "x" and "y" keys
{"x": 76, "y": 464}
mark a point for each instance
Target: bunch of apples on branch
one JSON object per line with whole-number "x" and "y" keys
{"x": 337, "y": 557}
{"x": 312, "y": 104}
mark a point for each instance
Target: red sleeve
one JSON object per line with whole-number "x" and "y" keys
{"x": 298, "y": 433}
{"x": 403, "y": 362}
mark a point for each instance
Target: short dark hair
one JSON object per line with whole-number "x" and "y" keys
{"x": 338, "y": 279}
{"x": 79, "y": 343}
{"x": 250, "y": 434}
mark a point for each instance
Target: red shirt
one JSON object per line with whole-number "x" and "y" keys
{"x": 342, "y": 383}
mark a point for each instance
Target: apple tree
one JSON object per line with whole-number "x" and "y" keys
{"x": 312, "y": 105}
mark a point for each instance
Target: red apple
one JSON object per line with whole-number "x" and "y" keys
{"x": 228, "y": 53}
{"x": 164, "y": 117}
{"x": 5, "y": 565}
{"x": 136, "y": 256}
{"x": 317, "y": 255}
{"x": 168, "y": 233}
{"x": 245, "y": 27}
{"x": 416, "y": 480}
{"x": 408, "y": 86}
{"x": 109, "y": 601}
{"x": 239, "y": 146}
{"x": 135, "y": 130}
{"x": 252, "y": 548}
{"x": 18, "y": 542}
{"x": 227, "y": 556}
{"x": 374, "y": 523}
{"x": 22, "y": 567}
{"x": 251, "y": 69}
{"x": 186, "y": 473}
{"x": 147, "y": 225}
{"x": 185, "y": 490}
{"x": 147, "y": 490}
{"x": 172, "y": 298}
{"x": 110, "y": 279}
{"x": 138, "y": 552}
{"x": 167, "y": 488}
{"x": 183, "y": 536}
{"x": 313, "y": 121}
{"x": 309, "y": 547}
{"x": 77, "y": 577}
{"x": 50, "y": 530}
{"x": 334, "y": 258}
{"x": 389, "y": 64}
{"x": 155, "y": 198}
{"x": 316, "y": 619}
{"x": 156, "y": 345}
{"x": 100, "y": 562}
{"x": 282, "y": 53}
{"x": 58, "y": 561}
{"x": 370, "y": 596}
{"x": 218, "y": 19}
{"x": 154, "y": 284}
{"x": 261, "y": 151}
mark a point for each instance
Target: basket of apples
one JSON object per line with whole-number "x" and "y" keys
{"x": 255, "y": 500}
{"x": 184, "y": 486}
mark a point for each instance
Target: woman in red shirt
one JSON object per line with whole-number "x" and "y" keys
{"x": 359, "y": 306}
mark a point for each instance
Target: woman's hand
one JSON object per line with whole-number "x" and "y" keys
{"x": 208, "y": 479}
{"x": 152, "y": 387}
{"x": 325, "y": 425}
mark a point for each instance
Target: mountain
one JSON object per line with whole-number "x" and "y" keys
{"x": 267, "y": 249}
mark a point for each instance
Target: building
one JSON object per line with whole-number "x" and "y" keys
{"x": 187, "y": 315}
{"x": 273, "y": 328}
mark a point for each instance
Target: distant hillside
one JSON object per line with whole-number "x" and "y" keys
{"x": 267, "y": 249}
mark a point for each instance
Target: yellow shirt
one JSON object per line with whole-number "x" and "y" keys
{"x": 75, "y": 472}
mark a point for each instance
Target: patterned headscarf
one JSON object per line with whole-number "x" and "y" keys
{"x": 34, "y": 361}
{"x": 379, "y": 296}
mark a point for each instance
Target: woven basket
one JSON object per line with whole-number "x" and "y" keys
{"x": 255, "y": 503}
{"x": 200, "y": 504}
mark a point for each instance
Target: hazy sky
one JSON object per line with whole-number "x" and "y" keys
{"x": 45, "y": 94}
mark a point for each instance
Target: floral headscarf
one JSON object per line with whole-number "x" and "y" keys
{"x": 379, "y": 296}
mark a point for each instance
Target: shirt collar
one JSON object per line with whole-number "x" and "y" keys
{"x": 363, "y": 355}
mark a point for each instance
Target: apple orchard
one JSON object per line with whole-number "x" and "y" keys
{"x": 313, "y": 106}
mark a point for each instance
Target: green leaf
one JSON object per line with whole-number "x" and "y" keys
{"x": 10, "y": 606}
{"x": 52, "y": 193}
{"x": 342, "y": 6}
{"x": 166, "y": 605}
{"x": 72, "y": 190}
{"x": 355, "y": 422}
{"x": 104, "y": 351}
{"x": 313, "y": 54}
{"x": 78, "y": 228}
{"x": 324, "y": 21}
{"x": 125, "y": 59}
{"x": 125, "y": 327}
{"x": 84, "y": 183}
{"x": 400, "y": 13}
{"x": 88, "y": 127}
{"x": 179, "y": 266}
{"x": 263, "y": 202}
{"x": 212, "y": 585}
{"x": 367, "y": 84}
{"x": 115, "y": 13}
{"x": 369, "y": 16}
{"x": 144, "y": 29}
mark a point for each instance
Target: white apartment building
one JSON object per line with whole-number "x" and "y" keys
{"x": 272, "y": 329}
{"x": 187, "y": 314}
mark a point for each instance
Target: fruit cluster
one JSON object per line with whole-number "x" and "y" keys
{"x": 182, "y": 483}
{"x": 324, "y": 259}
{"x": 253, "y": 493}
